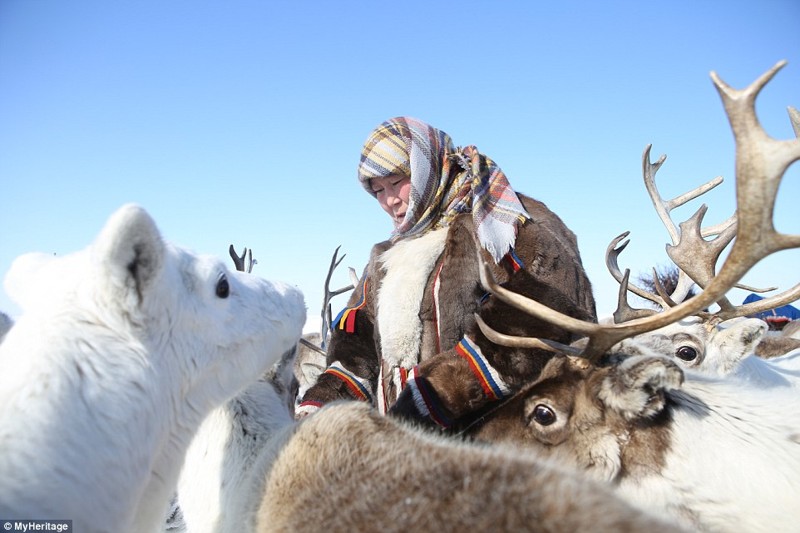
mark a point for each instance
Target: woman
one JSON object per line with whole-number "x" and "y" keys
{"x": 407, "y": 340}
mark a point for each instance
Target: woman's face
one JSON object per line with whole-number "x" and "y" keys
{"x": 392, "y": 193}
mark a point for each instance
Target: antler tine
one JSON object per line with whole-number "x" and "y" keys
{"x": 794, "y": 117}
{"x": 612, "y": 254}
{"x": 624, "y": 311}
{"x": 761, "y": 163}
{"x": 665, "y": 207}
{"x": 238, "y": 261}
{"x": 697, "y": 256}
{"x": 523, "y": 342}
{"x": 329, "y": 294}
{"x": 764, "y": 304}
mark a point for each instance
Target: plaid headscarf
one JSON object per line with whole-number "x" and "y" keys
{"x": 445, "y": 181}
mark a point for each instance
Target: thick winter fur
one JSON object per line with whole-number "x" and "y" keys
{"x": 309, "y": 363}
{"x": 402, "y": 291}
{"x": 716, "y": 454}
{"x": 451, "y": 293}
{"x": 388, "y": 477}
{"x": 792, "y": 329}
{"x": 778, "y": 343}
{"x": 121, "y": 350}
{"x": 224, "y": 468}
{"x": 346, "y": 468}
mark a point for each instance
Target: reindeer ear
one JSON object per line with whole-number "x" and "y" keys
{"x": 636, "y": 387}
{"x": 738, "y": 339}
{"x": 129, "y": 254}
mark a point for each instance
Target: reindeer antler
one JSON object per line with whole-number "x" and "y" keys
{"x": 329, "y": 294}
{"x": 239, "y": 261}
{"x": 794, "y": 117}
{"x": 761, "y": 163}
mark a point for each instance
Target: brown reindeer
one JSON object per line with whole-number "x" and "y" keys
{"x": 716, "y": 454}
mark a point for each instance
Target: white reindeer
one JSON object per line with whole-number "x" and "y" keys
{"x": 725, "y": 349}
{"x": 121, "y": 351}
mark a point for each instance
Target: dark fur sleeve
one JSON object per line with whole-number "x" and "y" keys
{"x": 355, "y": 351}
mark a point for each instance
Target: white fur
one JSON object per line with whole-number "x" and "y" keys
{"x": 408, "y": 265}
{"x": 225, "y": 468}
{"x": 724, "y": 349}
{"x": 121, "y": 350}
{"x": 734, "y": 458}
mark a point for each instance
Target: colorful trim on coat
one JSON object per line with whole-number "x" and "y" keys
{"x": 358, "y": 386}
{"x": 492, "y": 384}
{"x": 425, "y": 399}
{"x": 514, "y": 261}
{"x": 306, "y": 408}
{"x": 346, "y": 319}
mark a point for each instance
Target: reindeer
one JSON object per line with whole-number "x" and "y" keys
{"x": 312, "y": 351}
{"x": 119, "y": 353}
{"x": 715, "y": 454}
{"x": 251, "y": 468}
{"x": 312, "y": 348}
{"x": 708, "y": 342}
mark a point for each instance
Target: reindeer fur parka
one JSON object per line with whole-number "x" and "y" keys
{"x": 408, "y": 342}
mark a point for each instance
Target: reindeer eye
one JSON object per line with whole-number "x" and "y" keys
{"x": 223, "y": 288}
{"x": 686, "y": 353}
{"x": 543, "y": 415}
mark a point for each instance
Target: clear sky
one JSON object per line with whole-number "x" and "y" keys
{"x": 240, "y": 122}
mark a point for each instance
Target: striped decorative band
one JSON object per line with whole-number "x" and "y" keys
{"x": 358, "y": 386}
{"x": 346, "y": 319}
{"x": 425, "y": 400}
{"x": 493, "y": 385}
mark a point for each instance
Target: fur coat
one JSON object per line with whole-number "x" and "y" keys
{"x": 408, "y": 342}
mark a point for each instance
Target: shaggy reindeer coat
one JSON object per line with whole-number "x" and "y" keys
{"x": 121, "y": 351}
{"x": 713, "y": 454}
{"x": 410, "y": 322}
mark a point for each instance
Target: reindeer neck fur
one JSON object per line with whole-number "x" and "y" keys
{"x": 712, "y": 452}
{"x": 227, "y": 461}
{"x": 397, "y": 478}
{"x": 408, "y": 265}
{"x": 118, "y": 412}
{"x": 720, "y": 470}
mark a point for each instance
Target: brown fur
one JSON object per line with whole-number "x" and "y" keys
{"x": 792, "y": 329}
{"x": 776, "y": 345}
{"x": 348, "y": 469}
{"x": 571, "y": 388}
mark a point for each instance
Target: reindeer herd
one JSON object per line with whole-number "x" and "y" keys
{"x": 127, "y": 400}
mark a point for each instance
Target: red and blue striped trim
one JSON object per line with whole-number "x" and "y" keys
{"x": 358, "y": 386}
{"x": 492, "y": 384}
{"x": 514, "y": 261}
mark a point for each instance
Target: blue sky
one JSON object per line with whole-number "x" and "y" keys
{"x": 240, "y": 122}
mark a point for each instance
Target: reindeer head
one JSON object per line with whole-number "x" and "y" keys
{"x": 587, "y": 415}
